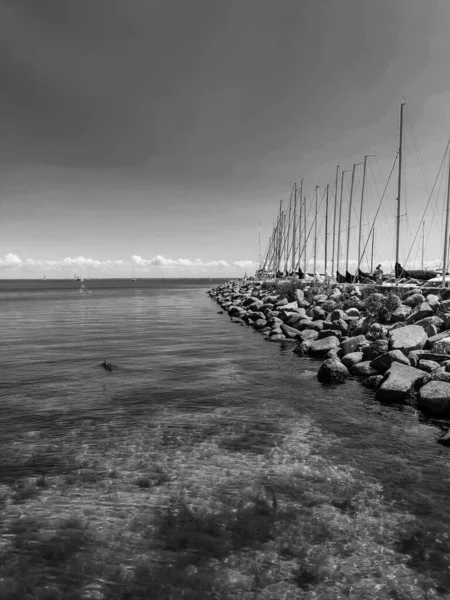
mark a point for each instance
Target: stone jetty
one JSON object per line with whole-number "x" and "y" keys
{"x": 397, "y": 344}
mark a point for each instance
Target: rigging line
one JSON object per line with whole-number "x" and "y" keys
{"x": 433, "y": 217}
{"x": 376, "y": 187}
{"x": 379, "y": 206}
{"x": 429, "y": 199}
{"x": 310, "y": 229}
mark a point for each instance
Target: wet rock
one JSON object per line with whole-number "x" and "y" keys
{"x": 321, "y": 347}
{"x": 373, "y": 381}
{"x": 363, "y": 369}
{"x": 289, "y": 332}
{"x": 397, "y": 383}
{"x": 435, "y": 397}
{"x": 400, "y": 314}
{"x": 375, "y": 349}
{"x": 406, "y": 339}
{"x": 383, "y": 362}
{"x": 260, "y": 324}
{"x": 352, "y": 359}
{"x": 354, "y": 344}
{"x": 237, "y": 320}
{"x": 276, "y": 337}
{"x": 420, "y": 312}
{"x": 302, "y": 348}
{"x": 427, "y": 365}
{"x": 332, "y": 371}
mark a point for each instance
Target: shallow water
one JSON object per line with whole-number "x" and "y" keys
{"x": 187, "y": 378}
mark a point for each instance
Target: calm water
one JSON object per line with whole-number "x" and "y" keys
{"x": 173, "y": 352}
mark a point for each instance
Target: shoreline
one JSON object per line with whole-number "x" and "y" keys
{"x": 394, "y": 341}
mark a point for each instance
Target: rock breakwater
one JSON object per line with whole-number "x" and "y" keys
{"x": 396, "y": 343}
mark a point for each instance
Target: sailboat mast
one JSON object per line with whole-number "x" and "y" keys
{"x": 315, "y": 231}
{"x": 304, "y": 235}
{"x": 399, "y": 184}
{"x": 371, "y": 256}
{"x": 361, "y": 209}
{"x": 350, "y": 216}
{"x": 334, "y": 222}
{"x": 294, "y": 230}
{"x": 423, "y": 241}
{"x": 326, "y": 231}
{"x": 445, "y": 260}
{"x": 338, "y": 260}
{"x": 300, "y": 236}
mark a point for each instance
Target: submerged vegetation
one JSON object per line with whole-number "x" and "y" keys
{"x": 207, "y": 505}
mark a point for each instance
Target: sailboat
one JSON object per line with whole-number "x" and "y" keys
{"x": 134, "y": 275}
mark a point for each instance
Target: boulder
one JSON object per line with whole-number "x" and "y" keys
{"x": 420, "y": 312}
{"x": 435, "y": 397}
{"x": 375, "y": 349}
{"x": 442, "y": 346}
{"x": 237, "y": 320}
{"x": 334, "y": 353}
{"x": 320, "y": 299}
{"x": 296, "y": 317}
{"x": 352, "y": 312}
{"x": 406, "y": 339}
{"x": 400, "y": 314}
{"x": 274, "y": 321}
{"x": 373, "y": 381}
{"x": 338, "y": 314}
{"x": 281, "y": 303}
{"x": 299, "y": 294}
{"x": 305, "y": 324}
{"x": 327, "y": 332}
{"x": 427, "y": 365}
{"x": 432, "y": 300}
{"x": 302, "y": 348}
{"x": 437, "y": 338}
{"x": 362, "y": 369}
{"x": 384, "y": 361}
{"x": 397, "y": 383}
{"x": 432, "y": 320}
{"x": 340, "y": 325}
{"x": 321, "y": 347}
{"x": 290, "y": 332}
{"x": 354, "y": 344}
{"x": 436, "y": 375}
{"x": 417, "y": 355}
{"x": 332, "y": 371}
{"x": 414, "y": 300}
{"x": 352, "y": 359}
{"x": 291, "y": 305}
{"x": 276, "y": 337}
{"x": 308, "y": 334}
{"x": 318, "y": 313}
{"x": 260, "y": 324}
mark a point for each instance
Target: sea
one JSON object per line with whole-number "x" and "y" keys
{"x": 200, "y": 408}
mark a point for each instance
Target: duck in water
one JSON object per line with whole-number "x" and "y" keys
{"x": 107, "y": 366}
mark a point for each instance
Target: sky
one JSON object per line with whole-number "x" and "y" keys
{"x": 159, "y": 136}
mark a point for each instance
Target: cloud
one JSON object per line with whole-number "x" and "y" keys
{"x": 81, "y": 263}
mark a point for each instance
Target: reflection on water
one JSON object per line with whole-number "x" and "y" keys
{"x": 208, "y": 460}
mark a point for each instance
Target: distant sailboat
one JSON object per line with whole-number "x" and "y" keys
{"x": 134, "y": 275}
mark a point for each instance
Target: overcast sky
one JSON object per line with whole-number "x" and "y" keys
{"x": 166, "y": 130}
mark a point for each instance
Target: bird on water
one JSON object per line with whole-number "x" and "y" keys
{"x": 107, "y": 366}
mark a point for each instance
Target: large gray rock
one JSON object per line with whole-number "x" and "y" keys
{"x": 302, "y": 348}
{"x": 338, "y": 314}
{"x": 327, "y": 332}
{"x": 432, "y": 300}
{"x": 321, "y": 347}
{"x": 397, "y": 383}
{"x": 305, "y": 324}
{"x": 384, "y": 361}
{"x": 435, "y": 397}
{"x": 420, "y": 312}
{"x": 332, "y": 371}
{"x": 296, "y": 317}
{"x": 354, "y": 344}
{"x": 428, "y": 365}
{"x": 352, "y": 359}
{"x": 260, "y": 324}
{"x": 291, "y": 305}
{"x": 362, "y": 369}
{"x": 406, "y": 339}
